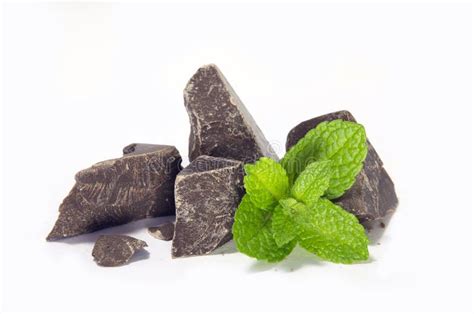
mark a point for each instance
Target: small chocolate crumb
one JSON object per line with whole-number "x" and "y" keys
{"x": 163, "y": 231}
{"x": 115, "y": 250}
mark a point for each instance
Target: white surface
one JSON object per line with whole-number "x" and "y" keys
{"x": 82, "y": 81}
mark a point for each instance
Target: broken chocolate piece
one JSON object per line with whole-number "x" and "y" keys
{"x": 115, "y": 250}
{"x": 163, "y": 231}
{"x": 138, "y": 185}
{"x": 221, "y": 126}
{"x": 207, "y": 192}
{"x": 139, "y": 148}
{"x": 372, "y": 198}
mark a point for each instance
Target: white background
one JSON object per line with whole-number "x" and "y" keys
{"x": 82, "y": 80}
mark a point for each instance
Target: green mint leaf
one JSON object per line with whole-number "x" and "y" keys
{"x": 283, "y": 223}
{"x": 312, "y": 182}
{"x": 253, "y": 235}
{"x": 342, "y": 142}
{"x": 323, "y": 228}
{"x": 332, "y": 233}
{"x": 265, "y": 182}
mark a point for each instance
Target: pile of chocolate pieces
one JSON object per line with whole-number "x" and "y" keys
{"x": 148, "y": 180}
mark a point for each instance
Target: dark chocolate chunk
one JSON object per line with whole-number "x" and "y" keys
{"x": 221, "y": 126}
{"x": 163, "y": 231}
{"x": 138, "y": 185}
{"x": 372, "y": 198}
{"x": 207, "y": 192}
{"x": 115, "y": 250}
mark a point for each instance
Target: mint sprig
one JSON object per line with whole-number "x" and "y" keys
{"x": 287, "y": 203}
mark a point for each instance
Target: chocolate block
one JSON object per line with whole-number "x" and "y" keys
{"x": 138, "y": 185}
{"x": 115, "y": 250}
{"x": 207, "y": 192}
{"x": 163, "y": 231}
{"x": 372, "y": 198}
{"x": 221, "y": 126}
